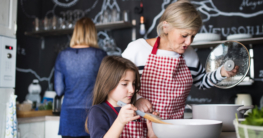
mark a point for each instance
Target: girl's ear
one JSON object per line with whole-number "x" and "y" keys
{"x": 165, "y": 27}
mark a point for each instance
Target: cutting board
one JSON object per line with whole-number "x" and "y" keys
{"x": 24, "y": 114}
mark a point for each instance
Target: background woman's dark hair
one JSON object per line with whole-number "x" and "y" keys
{"x": 111, "y": 71}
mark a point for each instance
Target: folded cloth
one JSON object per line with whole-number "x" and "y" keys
{"x": 11, "y": 120}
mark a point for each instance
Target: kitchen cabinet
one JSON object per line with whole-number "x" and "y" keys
{"x": 38, "y": 127}
{"x": 101, "y": 26}
{"x": 8, "y": 12}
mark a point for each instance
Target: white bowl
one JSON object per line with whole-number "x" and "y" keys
{"x": 188, "y": 128}
{"x": 206, "y": 37}
{"x": 238, "y": 36}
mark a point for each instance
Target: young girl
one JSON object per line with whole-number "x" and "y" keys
{"x": 117, "y": 80}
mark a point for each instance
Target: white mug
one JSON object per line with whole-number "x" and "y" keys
{"x": 243, "y": 99}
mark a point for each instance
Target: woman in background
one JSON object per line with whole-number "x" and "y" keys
{"x": 76, "y": 70}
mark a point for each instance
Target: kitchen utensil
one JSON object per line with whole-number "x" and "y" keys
{"x": 148, "y": 116}
{"x": 238, "y": 36}
{"x": 247, "y": 131}
{"x": 206, "y": 37}
{"x": 222, "y": 112}
{"x": 229, "y": 55}
{"x": 188, "y": 128}
{"x": 56, "y": 105}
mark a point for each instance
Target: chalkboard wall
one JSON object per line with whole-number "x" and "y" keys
{"x": 36, "y": 56}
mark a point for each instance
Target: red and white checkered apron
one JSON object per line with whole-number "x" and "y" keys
{"x": 132, "y": 129}
{"x": 165, "y": 82}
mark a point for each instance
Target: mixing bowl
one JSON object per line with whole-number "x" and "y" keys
{"x": 188, "y": 128}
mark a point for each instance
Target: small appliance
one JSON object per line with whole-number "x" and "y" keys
{"x": 7, "y": 62}
{"x": 7, "y": 85}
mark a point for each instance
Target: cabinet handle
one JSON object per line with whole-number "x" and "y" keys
{"x": 15, "y": 27}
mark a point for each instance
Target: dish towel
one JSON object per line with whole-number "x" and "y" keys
{"x": 11, "y": 120}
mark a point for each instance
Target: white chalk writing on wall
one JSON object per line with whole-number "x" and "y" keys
{"x": 252, "y": 4}
{"x": 66, "y": 3}
{"x": 21, "y": 51}
{"x": 198, "y": 100}
{"x": 48, "y": 79}
{"x": 253, "y": 30}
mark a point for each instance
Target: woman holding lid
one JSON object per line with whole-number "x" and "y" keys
{"x": 168, "y": 65}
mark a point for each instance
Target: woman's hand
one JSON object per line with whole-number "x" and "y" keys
{"x": 127, "y": 114}
{"x": 150, "y": 129}
{"x": 231, "y": 73}
{"x": 144, "y": 105}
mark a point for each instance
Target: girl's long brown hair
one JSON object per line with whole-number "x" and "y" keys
{"x": 111, "y": 70}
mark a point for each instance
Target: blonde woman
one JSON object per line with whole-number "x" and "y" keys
{"x": 76, "y": 70}
{"x": 168, "y": 65}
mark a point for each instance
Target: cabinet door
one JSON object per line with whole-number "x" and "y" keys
{"x": 32, "y": 130}
{"x": 51, "y": 129}
{"x": 8, "y": 12}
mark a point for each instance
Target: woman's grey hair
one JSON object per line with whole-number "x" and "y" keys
{"x": 181, "y": 15}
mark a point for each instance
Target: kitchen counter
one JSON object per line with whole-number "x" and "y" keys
{"x": 56, "y": 118}
{"x": 37, "y": 119}
{"x": 228, "y": 135}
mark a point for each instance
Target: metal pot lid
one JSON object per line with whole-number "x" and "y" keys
{"x": 228, "y": 55}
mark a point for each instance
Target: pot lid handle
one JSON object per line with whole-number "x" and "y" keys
{"x": 243, "y": 109}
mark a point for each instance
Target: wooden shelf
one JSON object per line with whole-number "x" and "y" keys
{"x": 23, "y": 114}
{"x": 257, "y": 40}
{"x": 101, "y": 26}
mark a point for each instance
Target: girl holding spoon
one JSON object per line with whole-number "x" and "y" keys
{"x": 117, "y": 80}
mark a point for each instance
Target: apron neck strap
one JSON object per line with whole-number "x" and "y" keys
{"x": 112, "y": 107}
{"x": 156, "y": 45}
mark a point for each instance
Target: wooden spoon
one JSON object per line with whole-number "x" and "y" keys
{"x": 151, "y": 117}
